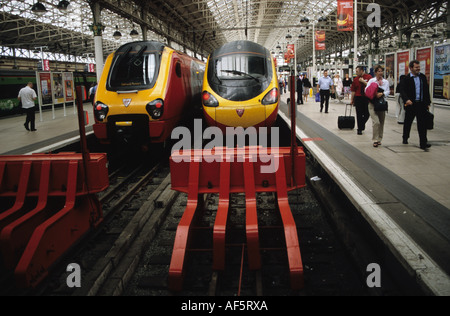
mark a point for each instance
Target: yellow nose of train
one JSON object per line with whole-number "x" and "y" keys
{"x": 240, "y": 86}
{"x": 248, "y": 113}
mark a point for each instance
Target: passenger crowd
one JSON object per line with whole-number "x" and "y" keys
{"x": 368, "y": 95}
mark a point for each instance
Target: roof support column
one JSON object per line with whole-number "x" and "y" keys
{"x": 314, "y": 52}
{"x": 97, "y": 28}
{"x": 447, "y": 31}
{"x": 144, "y": 30}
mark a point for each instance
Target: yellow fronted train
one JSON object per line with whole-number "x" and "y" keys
{"x": 240, "y": 87}
{"x": 145, "y": 90}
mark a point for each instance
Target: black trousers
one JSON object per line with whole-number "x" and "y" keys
{"x": 324, "y": 98}
{"x": 31, "y": 118}
{"x": 362, "y": 112}
{"x": 299, "y": 97}
{"x": 417, "y": 109}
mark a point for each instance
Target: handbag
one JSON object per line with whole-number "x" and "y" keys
{"x": 317, "y": 97}
{"x": 429, "y": 119}
{"x": 380, "y": 104}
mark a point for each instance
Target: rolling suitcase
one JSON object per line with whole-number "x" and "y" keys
{"x": 346, "y": 121}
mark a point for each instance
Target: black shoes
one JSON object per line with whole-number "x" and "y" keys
{"x": 34, "y": 130}
{"x": 405, "y": 142}
{"x": 425, "y": 147}
{"x": 26, "y": 126}
{"x": 359, "y": 132}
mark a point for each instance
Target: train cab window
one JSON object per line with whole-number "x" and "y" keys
{"x": 178, "y": 69}
{"x": 133, "y": 69}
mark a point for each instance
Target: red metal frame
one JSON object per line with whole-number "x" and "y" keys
{"x": 55, "y": 204}
{"x": 193, "y": 174}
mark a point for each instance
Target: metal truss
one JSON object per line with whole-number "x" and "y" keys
{"x": 200, "y": 26}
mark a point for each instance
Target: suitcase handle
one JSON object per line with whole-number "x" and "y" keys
{"x": 347, "y": 104}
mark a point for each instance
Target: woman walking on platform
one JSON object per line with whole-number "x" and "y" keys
{"x": 378, "y": 117}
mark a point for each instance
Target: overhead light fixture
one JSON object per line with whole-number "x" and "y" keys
{"x": 278, "y": 47}
{"x": 64, "y": 6}
{"x": 322, "y": 18}
{"x": 435, "y": 35}
{"x": 134, "y": 34}
{"x": 117, "y": 35}
{"x": 38, "y": 9}
{"x": 289, "y": 36}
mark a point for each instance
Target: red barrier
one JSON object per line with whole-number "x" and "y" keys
{"x": 197, "y": 172}
{"x": 47, "y": 202}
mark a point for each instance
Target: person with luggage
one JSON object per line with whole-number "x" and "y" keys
{"x": 415, "y": 93}
{"x": 378, "y": 117}
{"x": 359, "y": 99}
{"x": 306, "y": 87}
{"x": 324, "y": 86}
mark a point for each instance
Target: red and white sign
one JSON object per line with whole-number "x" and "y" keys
{"x": 45, "y": 65}
{"x": 320, "y": 40}
{"x": 345, "y": 15}
{"x": 91, "y": 67}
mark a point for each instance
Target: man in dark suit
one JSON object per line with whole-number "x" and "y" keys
{"x": 415, "y": 93}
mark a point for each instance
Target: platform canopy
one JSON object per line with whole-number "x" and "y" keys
{"x": 200, "y": 26}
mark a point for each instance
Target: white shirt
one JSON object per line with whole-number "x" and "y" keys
{"x": 325, "y": 83}
{"x": 384, "y": 85}
{"x": 27, "y": 96}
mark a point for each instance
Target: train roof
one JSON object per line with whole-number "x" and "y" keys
{"x": 151, "y": 46}
{"x": 241, "y": 46}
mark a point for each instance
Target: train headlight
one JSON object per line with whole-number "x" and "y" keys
{"x": 209, "y": 100}
{"x": 155, "y": 108}
{"x": 100, "y": 111}
{"x": 271, "y": 97}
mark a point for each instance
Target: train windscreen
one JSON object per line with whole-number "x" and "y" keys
{"x": 134, "y": 69}
{"x": 241, "y": 66}
{"x": 239, "y": 76}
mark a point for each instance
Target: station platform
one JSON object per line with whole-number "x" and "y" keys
{"x": 401, "y": 190}
{"x": 57, "y": 129}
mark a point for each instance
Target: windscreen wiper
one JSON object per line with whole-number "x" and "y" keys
{"x": 241, "y": 73}
{"x": 138, "y": 55}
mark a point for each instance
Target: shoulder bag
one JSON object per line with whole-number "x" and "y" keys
{"x": 380, "y": 104}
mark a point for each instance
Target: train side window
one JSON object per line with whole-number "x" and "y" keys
{"x": 178, "y": 69}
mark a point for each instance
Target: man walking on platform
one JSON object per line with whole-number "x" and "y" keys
{"x": 415, "y": 92}
{"x": 324, "y": 85}
{"x": 359, "y": 99}
{"x": 27, "y": 96}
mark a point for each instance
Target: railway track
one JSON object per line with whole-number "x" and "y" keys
{"x": 130, "y": 253}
